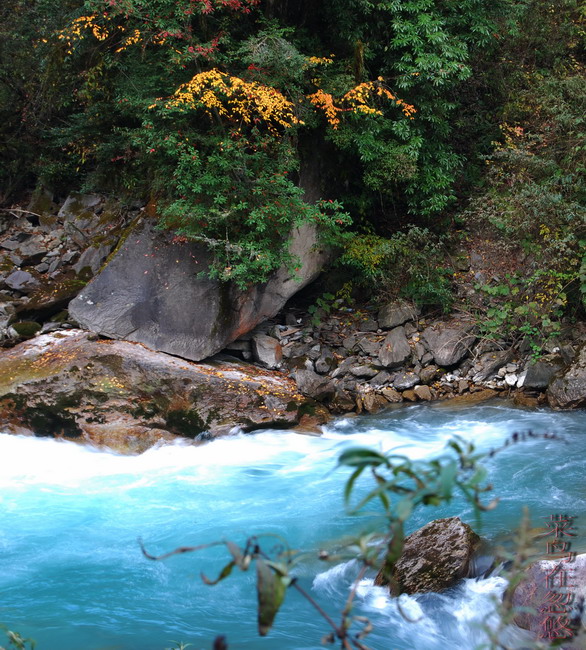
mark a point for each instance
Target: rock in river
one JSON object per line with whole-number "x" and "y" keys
{"x": 125, "y": 396}
{"x": 434, "y": 557}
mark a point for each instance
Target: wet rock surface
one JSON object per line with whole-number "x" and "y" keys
{"x": 127, "y": 397}
{"x": 434, "y": 557}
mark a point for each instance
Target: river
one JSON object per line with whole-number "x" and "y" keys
{"x": 72, "y": 576}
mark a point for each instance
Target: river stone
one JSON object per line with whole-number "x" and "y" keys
{"x": 313, "y": 385}
{"x": 391, "y": 395}
{"x": 373, "y": 402}
{"x": 395, "y": 313}
{"x": 365, "y": 371}
{"x": 395, "y": 349}
{"x": 369, "y": 346}
{"x": 434, "y": 557}
{"x": 449, "y": 342}
{"x": 326, "y": 361}
{"x": 150, "y": 293}
{"x": 405, "y": 380}
{"x": 428, "y": 374}
{"x": 541, "y": 372}
{"x": 532, "y": 592}
{"x": 423, "y": 393}
{"x": 68, "y": 384}
{"x": 267, "y": 351}
{"x": 568, "y": 389}
{"x": 490, "y": 362}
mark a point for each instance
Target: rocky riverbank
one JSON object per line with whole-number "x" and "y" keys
{"x": 288, "y": 368}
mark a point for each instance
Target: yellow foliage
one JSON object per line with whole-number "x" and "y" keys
{"x": 235, "y": 99}
{"x": 76, "y": 31}
{"x": 357, "y": 100}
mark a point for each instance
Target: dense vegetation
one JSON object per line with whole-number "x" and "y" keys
{"x": 408, "y": 119}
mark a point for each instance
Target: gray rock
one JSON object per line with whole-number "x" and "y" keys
{"x": 541, "y": 372}
{"x": 405, "y": 380}
{"x": 79, "y": 217}
{"x": 434, "y": 558}
{"x": 395, "y": 349}
{"x": 92, "y": 258}
{"x": 68, "y": 257}
{"x": 368, "y": 325}
{"x": 568, "y": 388}
{"x": 380, "y": 379}
{"x": 267, "y": 351}
{"x": 6, "y": 314}
{"x": 428, "y": 374}
{"x": 313, "y": 385}
{"x": 450, "y": 342}
{"x": 426, "y": 358}
{"x": 32, "y": 251}
{"x": 490, "y": 362}
{"x": 22, "y": 281}
{"x": 14, "y": 242}
{"x": 396, "y": 313}
{"x": 420, "y": 350}
{"x": 349, "y": 342}
{"x": 372, "y": 402}
{"x": 326, "y": 361}
{"x": 364, "y": 371}
{"x": 150, "y": 293}
{"x": 314, "y": 352}
{"x": 369, "y": 346}
{"x": 54, "y": 265}
{"x": 511, "y": 379}
{"x": 344, "y": 367}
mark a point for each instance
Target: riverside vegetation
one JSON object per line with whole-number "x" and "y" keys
{"x": 427, "y": 123}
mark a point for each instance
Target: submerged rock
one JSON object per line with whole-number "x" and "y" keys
{"x": 434, "y": 557}
{"x": 123, "y": 395}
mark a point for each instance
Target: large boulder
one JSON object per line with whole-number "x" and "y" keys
{"x": 568, "y": 389}
{"x": 123, "y": 395}
{"x": 151, "y": 292}
{"x": 434, "y": 557}
{"x": 449, "y": 342}
{"x": 540, "y": 583}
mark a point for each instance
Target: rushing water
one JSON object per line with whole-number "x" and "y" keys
{"x": 73, "y": 578}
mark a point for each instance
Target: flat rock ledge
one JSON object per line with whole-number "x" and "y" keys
{"x": 121, "y": 395}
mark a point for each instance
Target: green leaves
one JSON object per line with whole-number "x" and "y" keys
{"x": 270, "y": 588}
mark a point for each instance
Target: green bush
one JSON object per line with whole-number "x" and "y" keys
{"x": 408, "y": 264}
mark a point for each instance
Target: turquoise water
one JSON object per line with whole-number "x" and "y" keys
{"x": 73, "y": 578}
